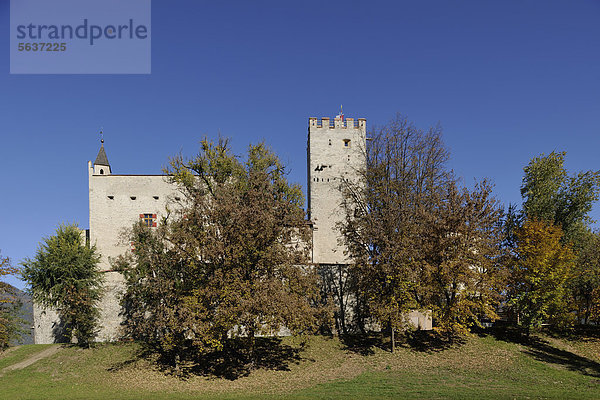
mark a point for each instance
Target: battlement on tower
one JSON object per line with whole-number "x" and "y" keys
{"x": 347, "y": 123}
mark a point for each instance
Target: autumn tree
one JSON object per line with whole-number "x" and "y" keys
{"x": 231, "y": 259}
{"x": 404, "y": 167}
{"x": 541, "y": 266}
{"x": 63, "y": 275}
{"x": 418, "y": 240}
{"x": 462, "y": 276}
{"x": 9, "y": 305}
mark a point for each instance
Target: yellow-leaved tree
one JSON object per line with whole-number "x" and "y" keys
{"x": 540, "y": 269}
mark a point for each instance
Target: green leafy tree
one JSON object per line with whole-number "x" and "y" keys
{"x": 585, "y": 281}
{"x": 511, "y": 221}
{"x": 230, "y": 259}
{"x": 551, "y": 195}
{"x": 539, "y": 271}
{"x": 63, "y": 275}
{"x": 10, "y": 323}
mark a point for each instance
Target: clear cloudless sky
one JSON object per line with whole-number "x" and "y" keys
{"x": 507, "y": 80}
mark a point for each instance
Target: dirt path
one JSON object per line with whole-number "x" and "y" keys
{"x": 28, "y": 361}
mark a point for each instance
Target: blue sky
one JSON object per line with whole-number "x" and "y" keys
{"x": 507, "y": 80}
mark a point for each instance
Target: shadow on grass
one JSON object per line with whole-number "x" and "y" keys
{"x": 542, "y": 350}
{"x": 580, "y": 333}
{"x": 236, "y": 361}
{"x": 432, "y": 341}
{"x": 233, "y": 362}
{"x": 422, "y": 341}
{"x": 363, "y": 344}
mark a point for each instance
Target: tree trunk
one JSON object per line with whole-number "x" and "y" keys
{"x": 341, "y": 301}
{"x": 392, "y": 336}
{"x": 177, "y": 362}
{"x": 587, "y": 310}
{"x": 252, "y": 348}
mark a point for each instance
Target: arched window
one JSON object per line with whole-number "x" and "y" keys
{"x": 101, "y": 171}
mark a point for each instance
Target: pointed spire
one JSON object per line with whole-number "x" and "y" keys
{"x": 101, "y": 159}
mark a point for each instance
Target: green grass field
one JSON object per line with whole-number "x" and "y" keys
{"x": 483, "y": 367}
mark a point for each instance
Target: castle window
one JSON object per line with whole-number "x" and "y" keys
{"x": 330, "y": 142}
{"x": 111, "y": 197}
{"x": 101, "y": 171}
{"x": 346, "y": 142}
{"x": 132, "y": 197}
{"x": 149, "y": 220}
{"x": 155, "y": 197}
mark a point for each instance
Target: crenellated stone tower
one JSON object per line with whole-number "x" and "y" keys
{"x": 336, "y": 152}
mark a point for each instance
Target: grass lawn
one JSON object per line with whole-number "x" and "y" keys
{"x": 480, "y": 368}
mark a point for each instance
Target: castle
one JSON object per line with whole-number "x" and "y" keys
{"x": 335, "y": 152}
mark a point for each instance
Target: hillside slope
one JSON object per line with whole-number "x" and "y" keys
{"x": 482, "y": 367}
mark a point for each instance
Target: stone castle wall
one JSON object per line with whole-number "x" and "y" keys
{"x": 116, "y": 203}
{"x": 335, "y": 153}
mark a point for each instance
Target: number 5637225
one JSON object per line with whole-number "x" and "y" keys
{"x": 42, "y": 47}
